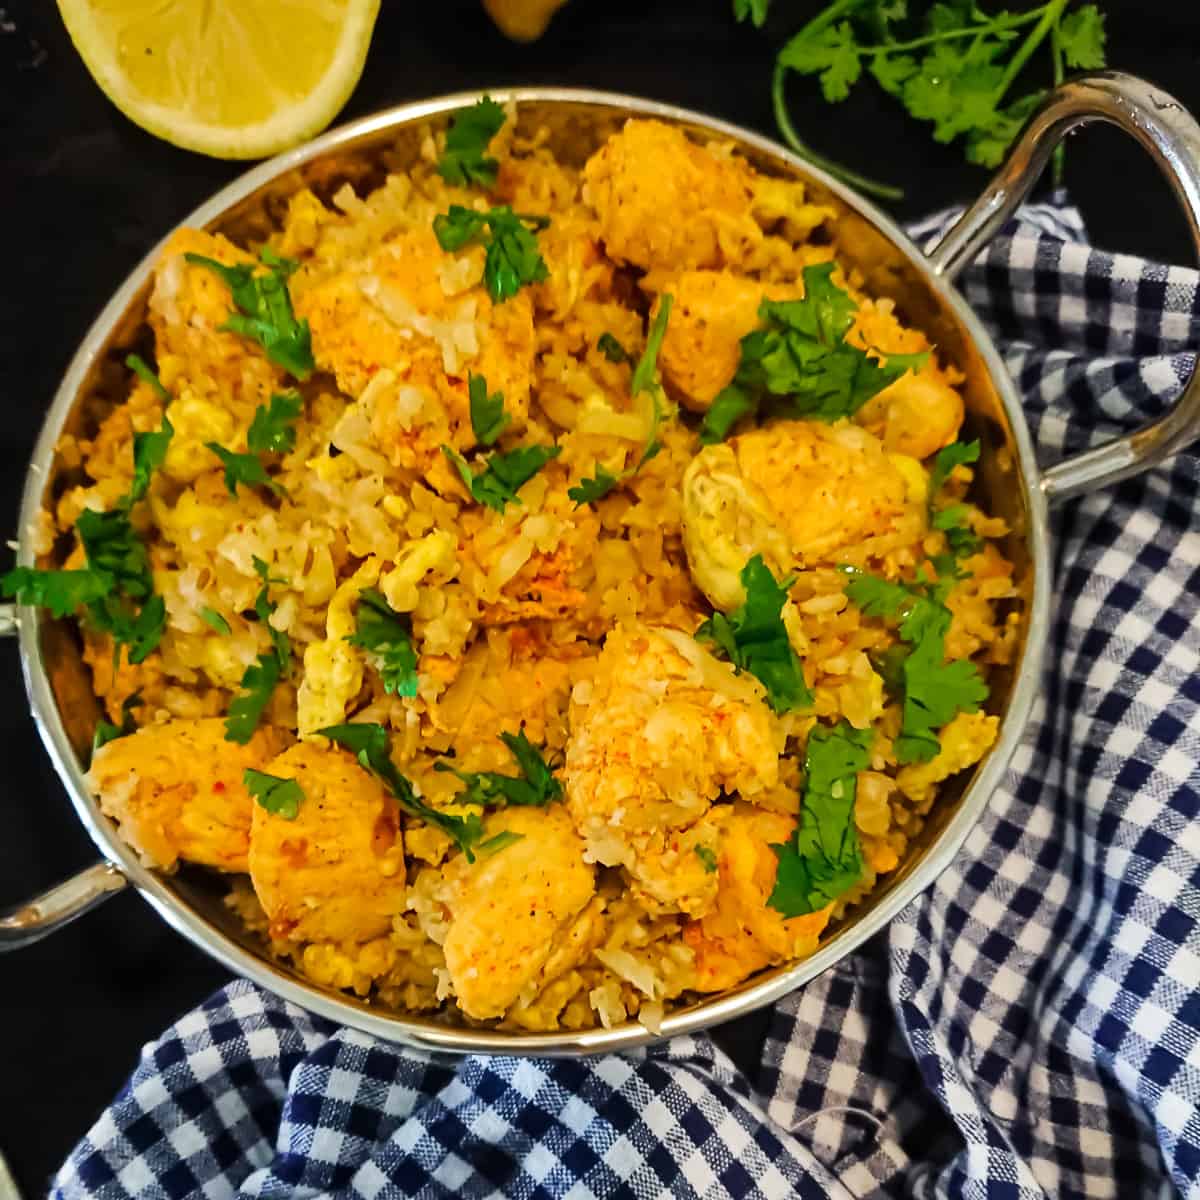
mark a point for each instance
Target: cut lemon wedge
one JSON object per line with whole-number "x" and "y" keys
{"x": 229, "y": 78}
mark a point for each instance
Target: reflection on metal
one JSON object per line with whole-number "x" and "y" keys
{"x": 576, "y": 122}
{"x": 34, "y": 920}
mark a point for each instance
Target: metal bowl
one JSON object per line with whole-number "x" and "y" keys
{"x": 1009, "y": 484}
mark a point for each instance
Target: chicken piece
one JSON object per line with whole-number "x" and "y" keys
{"x": 712, "y": 312}
{"x": 176, "y": 791}
{"x": 675, "y": 871}
{"x": 336, "y": 872}
{"x": 965, "y": 740}
{"x": 659, "y": 731}
{"x": 416, "y": 322}
{"x": 742, "y": 934}
{"x": 799, "y": 493}
{"x": 916, "y": 416}
{"x": 666, "y": 203}
{"x": 509, "y": 908}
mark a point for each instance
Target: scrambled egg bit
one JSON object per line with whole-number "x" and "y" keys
{"x": 335, "y": 872}
{"x": 176, "y": 791}
{"x": 800, "y": 494}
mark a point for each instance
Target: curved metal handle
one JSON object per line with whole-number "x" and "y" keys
{"x": 1172, "y": 138}
{"x": 51, "y": 910}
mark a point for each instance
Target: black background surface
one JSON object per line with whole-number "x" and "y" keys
{"x": 84, "y": 194}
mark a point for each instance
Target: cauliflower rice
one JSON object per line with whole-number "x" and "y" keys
{"x": 647, "y": 882}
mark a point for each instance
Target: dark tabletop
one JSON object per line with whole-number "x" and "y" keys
{"x": 84, "y": 194}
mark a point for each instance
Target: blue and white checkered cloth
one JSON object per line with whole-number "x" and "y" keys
{"x": 1028, "y": 1027}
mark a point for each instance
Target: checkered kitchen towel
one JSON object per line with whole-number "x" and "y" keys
{"x": 1029, "y": 1027}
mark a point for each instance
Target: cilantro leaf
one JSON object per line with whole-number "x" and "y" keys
{"x": 488, "y": 418}
{"x": 1081, "y": 38}
{"x": 832, "y": 53}
{"x": 387, "y": 635}
{"x": 264, "y": 309}
{"x": 756, "y": 10}
{"x": 934, "y": 690}
{"x": 138, "y": 365}
{"x": 595, "y": 487}
{"x": 954, "y": 519}
{"x": 957, "y": 454}
{"x": 536, "y": 786}
{"x": 212, "y": 618}
{"x": 503, "y": 474}
{"x": 954, "y": 522}
{"x": 754, "y": 638}
{"x": 149, "y": 453}
{"x": 246, "y": 469}
{"x": 608, "y": 345}
{"x": 823, "y": 860}
{"x": 512, "y": 256}
{"x": 274, "y": 793}
{"x": 465, "y": 160}
{"x": 62, "y": 592}
{"x": 708, "y": 860}
{"x": 370, "y": 745}
{"x": 645, "y": 374}
{"x": 257, "y": 684}
{"x": 732, "y": 403}
{"x": 107, "y": 732}
{"x": 498, "y": 842}
{"x": 272, "y": 428}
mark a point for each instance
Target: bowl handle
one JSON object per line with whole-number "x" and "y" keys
{"x": 1172, "y": 138}
{"x": 41, "y": 916}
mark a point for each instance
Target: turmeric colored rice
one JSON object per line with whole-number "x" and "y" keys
{"x": 646, "y": 879}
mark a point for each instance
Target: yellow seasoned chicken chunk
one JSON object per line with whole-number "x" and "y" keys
{"x": 336, "y": 872}
{"x": 800, "y": 493}
{"x": 176, "y": 791}
{"x": 510, "y": 909}
{"x": 659, "y": 731}
{"x": 741, "y": 933}
{"x": 711, "y": 313}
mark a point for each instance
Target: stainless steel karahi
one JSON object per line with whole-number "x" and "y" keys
{"x": 1010, "y": 482}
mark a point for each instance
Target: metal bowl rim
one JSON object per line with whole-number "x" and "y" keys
{"x": 425, "y": 1034}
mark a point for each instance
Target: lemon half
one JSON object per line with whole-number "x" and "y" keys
{"x": 230, "y": 78}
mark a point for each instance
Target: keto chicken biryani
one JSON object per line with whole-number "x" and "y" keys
{"x": 545, "y": 594}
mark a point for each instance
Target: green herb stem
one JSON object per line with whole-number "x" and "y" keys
{"x": 1050, "y": 18}
{"x": 949, "y": 35}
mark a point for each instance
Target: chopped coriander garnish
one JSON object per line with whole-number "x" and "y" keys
{"x": 264, "y": 309}
{"x": 708, "y": 860}
{"x": 823, "y": 860}
{"x": 497, "y": 484}
{"x": 149, "y": 454}
{"x": 261, "y": 677}
{"x": 800, "y": 362}
{"x": 272, "y": 428}
{"x": 465, "y": 159}
{"x": 370, "y": 745}
{"x": 498, "y": 842}
{"x": 756, "y": 10}
{"x": 246, "y": 469}
{"x": 138, "y": 365}
{"x": 608, "y": 345}
{"x": 513, "y": 258}
{"x": 953, "y": 520}
{"x": 212, "y": 618}
{"x": 935, "y": 690}
{"x": 754, "y": 638}
{"x": 274, "y": 793}
{"x": 645, "y": 379}
{"x": 957, "y": 454}
{"x": 488, "y": 418}
{"x": 107, "y": 732}
{"x": 536, "y": 786}
{"x": 62, "y": 592}
{"x": 387, "y": 636}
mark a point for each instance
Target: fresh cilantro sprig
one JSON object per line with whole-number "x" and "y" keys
{"x": 536, "y": 785}
{"x": 753, "y": 637}
{"x": 510, "y": 239}
{"x": 261, "y": 677}
{"x": 264, "y": 309}
{"x": 214, "y": 620}
{"x": 369, "y": 743}
{"x": 488, "y": 418}
{"x": 465, "y": 160}
{"x": 503, "y": 474}
{"x": 275, "y": 793}
{"x": 387, "y": 636}
{"x": 954, "y": 519}
{"x": 245, "y": 469}
{"x": 273, "y": 428}
{"x": 799, "y": 361}
{"x": 116, "y": 588}
{"x": 107, "y": 732}
{"x": 142, "y": 369}
{"x": 823, "y": 860}
{"x": 934, "y": 690}
{"x": 645, "y": 379}
{"x": 955, "y": 68}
